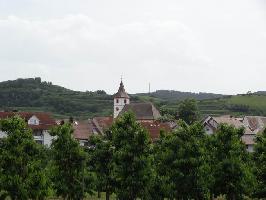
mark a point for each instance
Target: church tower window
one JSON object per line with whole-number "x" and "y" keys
{"x": 121, "y": 98}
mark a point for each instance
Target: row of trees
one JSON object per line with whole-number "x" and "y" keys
{"x": 183, "y": 164}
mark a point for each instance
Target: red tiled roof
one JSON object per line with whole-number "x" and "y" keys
{"x": 82, "y": 130}
{"x": 46, "y": 121}
{"x": 104, "y": 122}
{"x": 154, "y": 128}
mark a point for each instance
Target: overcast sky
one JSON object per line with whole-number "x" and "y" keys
{"x": 190, "y": 45}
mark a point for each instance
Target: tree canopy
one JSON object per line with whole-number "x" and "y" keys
{"x": 22, "y": 162}
{"x": 131, "y": 157}
{"x": 180, "y": 163}
{"x": 230, "y": 164}
{"x": 70, "y": 178}
{"x": 188, "y": 111}
{"x": 260, "y": 164}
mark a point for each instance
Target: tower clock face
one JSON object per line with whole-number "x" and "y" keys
{"x": 117, "y": 109}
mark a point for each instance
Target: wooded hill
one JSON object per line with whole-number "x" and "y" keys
{"x": 32, "y": 94}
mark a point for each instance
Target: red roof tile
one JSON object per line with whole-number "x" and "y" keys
{"x": 82, "y": 130}
{"x": 46, "y": 121}
{"x": 154, "y": 128}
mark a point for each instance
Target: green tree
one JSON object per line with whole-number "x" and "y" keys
{"x": 22, "y": 166}
{"x": 131, "y": 157}
{"x": 180, "y": 162}
{"x": 70, "y": 178}
{"x": 260, "y": 162}
{"x": 231, "y": 165}
{"x": 101, "y": 163}
{"x": 188, "y": 111}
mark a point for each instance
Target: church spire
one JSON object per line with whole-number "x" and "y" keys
{"x": 121, "y": 98}
{"x": 121, "y": 91}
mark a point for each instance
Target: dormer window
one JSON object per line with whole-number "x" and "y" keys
{"x": 33, "y": 121}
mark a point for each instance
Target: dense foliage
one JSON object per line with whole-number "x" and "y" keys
{"x": 260, "y": 160}
{"x": 183, "y": 164}
{"x": 101, "y": 163}
{"x": 69, "y": 175}
{"x": 188, "y": 111}
{"x": 230, "y": 164}
{"x": 33, "y": 94}
{"x": 172, "y": 95}
{"x": 22, "y": 163}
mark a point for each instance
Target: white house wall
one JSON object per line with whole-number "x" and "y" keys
{"x": 47, "y": 138}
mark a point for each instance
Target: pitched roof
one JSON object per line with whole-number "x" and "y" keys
{"x": 226, "y": 119}
{"x": 143, "y": 111}
{"x": 154, "y": 128}
{"x": 121, "y": 92}
{"x": 45, "y": 118}
{"x": 82, "y": 130}
{"x": 46, "y": 121}
{"x": 101, "y": 123}
{"x": 256, "y": 122}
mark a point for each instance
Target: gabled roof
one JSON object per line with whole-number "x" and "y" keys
{"x": 154, "y": 128}
{"x": 45, "y": 118}
{"x": 101, "y": 123}
{"x": 142, "y": 111}
{"x": 226, "y": 119}
{"x": 256, "y": 122}
{"x": 82, "y": 130}
{"x": 45, "y": 123}
{"x": 121, "y": 92}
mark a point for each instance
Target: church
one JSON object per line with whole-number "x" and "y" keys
{"x": 146, "y": 114}
{"x": 143, "y": 111}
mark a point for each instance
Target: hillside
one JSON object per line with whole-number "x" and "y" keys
{"x": 172, "y": 95}
{"x": 35, "y": 95}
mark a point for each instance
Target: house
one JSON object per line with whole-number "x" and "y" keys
{"x": 252, "y": 125}
{"x": 38, "y": 122}
{"x": 211, "y": 123}
{"x": 82, "y": 132}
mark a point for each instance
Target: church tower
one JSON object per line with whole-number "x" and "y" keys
{"x": 121, "y": 98}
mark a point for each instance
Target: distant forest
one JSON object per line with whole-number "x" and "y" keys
{"x": 33, "y": 94}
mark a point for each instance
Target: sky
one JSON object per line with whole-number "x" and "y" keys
{"x": 185, "y": 45}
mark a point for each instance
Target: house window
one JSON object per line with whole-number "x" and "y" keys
{"x": 39, "y": 142}
{"x": 117, "y": 100}
{"x": 38, "y": 133}
{"x": 33, "y": 121}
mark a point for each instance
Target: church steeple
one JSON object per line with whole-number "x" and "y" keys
{"x": 121, "y": 98}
